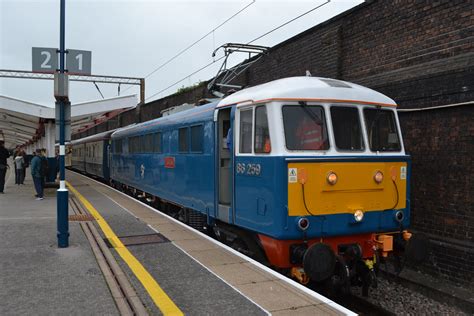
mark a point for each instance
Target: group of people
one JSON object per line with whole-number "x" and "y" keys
{"x": 38, "y": 166}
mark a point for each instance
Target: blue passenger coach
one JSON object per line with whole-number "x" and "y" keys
{"x": 90, "y": 155}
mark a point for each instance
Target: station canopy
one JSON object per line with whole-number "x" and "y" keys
{"x": 23, "y": 123}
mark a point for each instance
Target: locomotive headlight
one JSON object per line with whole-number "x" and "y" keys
{"x": 358, "y": 215}
{"x": 331, "y": 178}
{"x": 303, "y": 223}
{"x": 378, "y": 177}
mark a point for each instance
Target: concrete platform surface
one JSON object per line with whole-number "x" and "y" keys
{"x": 36, "y": 277}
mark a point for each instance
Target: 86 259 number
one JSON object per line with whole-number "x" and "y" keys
{"x": 250, "y": 169}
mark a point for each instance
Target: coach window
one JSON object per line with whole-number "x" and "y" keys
{"x": 142, "y": 145}
{"x": 130, "y": 145}
{"x": 183, "y": 140}
{"x": 134, "y": 144}
{"x": 157, "y": 143}
{"x": 148, "y": 143}
{"x": 346, "y": 128}
{"x": 381, "y": 130}
{"x": 197, "y": 138}
{"x": 262, "y": 135}
{"x": 245, "y": 138}
{"x": 118, "y": 146}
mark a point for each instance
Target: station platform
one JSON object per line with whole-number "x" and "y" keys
{"x": 156, "y": 265}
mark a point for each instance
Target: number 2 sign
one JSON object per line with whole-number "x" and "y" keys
{"x": 45, "y": 59}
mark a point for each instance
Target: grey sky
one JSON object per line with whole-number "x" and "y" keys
{"x": 131, "y": 38}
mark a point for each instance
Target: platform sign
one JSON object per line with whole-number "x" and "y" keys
{"x": 78, "y": 62}
{"x": 45, "y": 60}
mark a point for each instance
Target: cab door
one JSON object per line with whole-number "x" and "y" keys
{"x": 224, "y": 165}
{"x": 256, "y": 170}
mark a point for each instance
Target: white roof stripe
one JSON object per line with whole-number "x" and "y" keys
{"x": 307, "y": 88}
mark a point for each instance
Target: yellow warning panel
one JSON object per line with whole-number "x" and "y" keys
{"x": 354, "y": 187}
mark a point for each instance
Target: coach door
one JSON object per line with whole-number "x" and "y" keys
{"x": 224, "y": 165}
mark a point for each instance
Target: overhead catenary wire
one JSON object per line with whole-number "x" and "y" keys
{"x": 197, "y": 41}
{"x": 255, "y": 39}
{"x": 288, "y": 22}
{"x": 193, "y": 73}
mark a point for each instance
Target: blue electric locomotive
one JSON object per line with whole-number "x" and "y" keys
{"x": 306, "y": 174}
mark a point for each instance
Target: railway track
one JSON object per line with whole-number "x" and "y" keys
{"x": 126, "y": 299}
{"x": 362, "y": 306}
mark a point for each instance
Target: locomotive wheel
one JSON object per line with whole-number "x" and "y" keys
{"x": 319, "y": 262}
{"x": 339, "y": 283}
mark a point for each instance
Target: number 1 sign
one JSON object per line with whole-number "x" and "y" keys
{"x": 79, "y": 62}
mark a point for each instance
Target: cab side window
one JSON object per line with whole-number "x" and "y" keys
{"x": 262, "y": 135}
{"x": 245, "y": 137}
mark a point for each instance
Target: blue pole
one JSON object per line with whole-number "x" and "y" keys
{"x": 62, "y": 193}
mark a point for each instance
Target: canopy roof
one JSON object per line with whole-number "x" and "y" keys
{"x": 22, "y": 122}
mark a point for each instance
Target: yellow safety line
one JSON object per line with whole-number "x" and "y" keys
{"x": 162, "y": 301}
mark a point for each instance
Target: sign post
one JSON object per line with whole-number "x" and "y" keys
{"x": 45, "y": 60}
{"x": 62, "y": 99}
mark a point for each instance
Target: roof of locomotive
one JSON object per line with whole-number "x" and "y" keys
{"x": 311, "y": 89}
{"x": 196, "y": 114}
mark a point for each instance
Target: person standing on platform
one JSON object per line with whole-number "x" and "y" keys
{"x": 36, "y": 174}
{"x": 4, "y": 154}
{"x": 44, "y": 166}
{"x": 19, "y": 168}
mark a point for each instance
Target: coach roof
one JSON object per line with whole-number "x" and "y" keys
{"x": 312, "y": 89}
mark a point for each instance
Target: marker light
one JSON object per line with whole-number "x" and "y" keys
{"x": 378, "y": 177}
{"x": 358, "y": 215}
{"x": 399, "y": 216}
{"x": 331, "y": 178}
{"x": 303, "y": 223}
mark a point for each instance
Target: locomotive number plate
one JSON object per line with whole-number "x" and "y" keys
{"x": 249, "y": 169}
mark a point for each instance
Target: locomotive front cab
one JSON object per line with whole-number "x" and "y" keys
{"x": 320, "y": 177}
{"x": 347, "y": 187}
{"x": 337, "y": 174}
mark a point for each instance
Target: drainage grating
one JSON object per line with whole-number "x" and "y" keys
{"x": 140, "y": 240}
{"x": 81, "y": 218}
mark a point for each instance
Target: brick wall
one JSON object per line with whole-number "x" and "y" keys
{"x": 421, "y": 54}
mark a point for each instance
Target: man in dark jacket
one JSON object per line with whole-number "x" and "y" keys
{"x": 4, "y": 154}
{"x": 36, "y": 174}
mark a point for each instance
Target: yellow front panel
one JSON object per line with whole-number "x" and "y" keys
{"x": 355, "y": 188}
